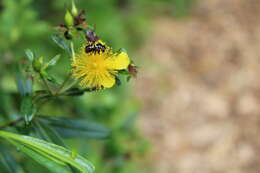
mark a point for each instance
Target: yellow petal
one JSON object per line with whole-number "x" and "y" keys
{"x": 118, "y": 62}
{"x": 108, "y": 81}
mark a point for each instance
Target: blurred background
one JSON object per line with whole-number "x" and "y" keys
{"x": 194, "y": 107}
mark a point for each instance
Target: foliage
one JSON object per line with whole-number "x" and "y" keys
{"x": 52, "y": 129}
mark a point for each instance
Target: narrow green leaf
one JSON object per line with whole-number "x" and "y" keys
{"x": 46, "y": 132}
{"x": 28, "y": 109}
{"x": 129, "y": 123}
{"x": 123, "y": 72}
{"x": 52, "y": 62}
{"x": 8, "y": 161}
{"x": 128, "y": 78}
{"x": 41, "y": 159}
{"x": 24, "y": 84}
{"x": 74, "y": 92}
{"x": 29, "y": 54}
{"x": 60, "y": 42}
{"x": 47, "y": 76}
{"x": 75, "y": 128}
{"x": 51, "y": 135}
{"x": 56, "y": 152}
{"x": 69, "y": 133}
{"x": 122, "y": 50}
{"x": 3, "y": 167}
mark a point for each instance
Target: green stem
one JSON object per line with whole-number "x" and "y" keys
{"x": 63, "y": 84}
{"x": 39, "y": 95}
{"x": 69, "y": 86}
{"x": 72, "y": 51}
{"x": 46, "y": 84}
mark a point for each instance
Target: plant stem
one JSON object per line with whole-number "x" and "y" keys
{"x": 63, "y": 84}
{"x": 69, "y": 86}
{"x": 68, "y": 77}
{"x": 46, "y": 84}
{"x": 72, "y": 51}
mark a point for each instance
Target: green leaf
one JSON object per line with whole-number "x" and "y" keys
{"x": 74, "y": 92}
{"x": 123, "y": 72}
{"x": 118, "y": 81}
{"x": 52, "y": 136}
{"x": 61, "y": 43}
{"x": 3, "y": 168}
{"x": 122, "y": 50}
{"x": 7, "y": 160}
{"x": 24, "y": 84}
{"x": 75, "y": 128}
{"x": 128, "y": 78}
{"x": 130, "y": 122}
{"x": 51, "y": 151}
{"x": 52, "y": 62}
{"x": 47, "y": 133}
{"x": 72, "y": 133}
{"x": 28, "y": 109}
{"x": 45, "y": 161}
{"x": 47, "y": 76}
{"x": 29, "y": 54}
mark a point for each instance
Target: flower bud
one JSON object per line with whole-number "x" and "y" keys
{"x": 74, "y": 9}
{"x": 37, "y": 64}
{"x": 69, "y": 19}
{"x": 132, "y": 70}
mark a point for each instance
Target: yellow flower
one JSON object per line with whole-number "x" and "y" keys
{"x": 98, "y": 69}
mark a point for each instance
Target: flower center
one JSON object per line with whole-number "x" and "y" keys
{"x": 94, "y": 65}
{"x": 97, "y": 63}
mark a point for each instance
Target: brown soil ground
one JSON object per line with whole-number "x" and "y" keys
{"x": 200, "y": 89}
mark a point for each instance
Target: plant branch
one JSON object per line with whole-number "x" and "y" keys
{"x": 63, "y": 84}
{"x": 72, "y": 51}
{"x": 46, "y": 84}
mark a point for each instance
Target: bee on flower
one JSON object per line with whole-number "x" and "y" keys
{"x": 97, "y": 66}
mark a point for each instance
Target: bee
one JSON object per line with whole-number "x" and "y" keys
{"x": 91, "y": 36}
{"x": 95, "y": 48}
{"x": 94, "y": 45}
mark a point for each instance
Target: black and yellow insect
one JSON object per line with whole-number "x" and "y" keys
{"x": 94, "y": 44}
